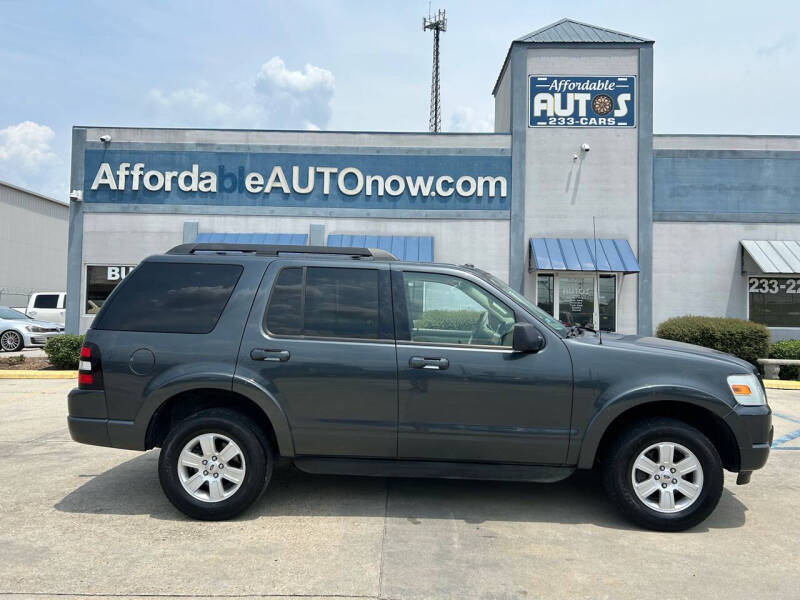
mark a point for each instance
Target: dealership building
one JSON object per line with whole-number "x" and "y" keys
{"x": 572, "y": 200}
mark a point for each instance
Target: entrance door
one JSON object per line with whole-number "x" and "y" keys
{"x": 320, "y": 339}
{"x": 464, "y": 393}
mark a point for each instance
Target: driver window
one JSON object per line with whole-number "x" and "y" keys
{"x": 444, "y": 309}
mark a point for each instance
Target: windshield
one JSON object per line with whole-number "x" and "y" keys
{"x": 12, "y": 315}
{"x": 537, "y": 312}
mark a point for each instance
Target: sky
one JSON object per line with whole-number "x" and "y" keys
{"x": 720, "y": 67}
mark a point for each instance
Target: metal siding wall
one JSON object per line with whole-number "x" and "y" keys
{"x": 34, "y": 234}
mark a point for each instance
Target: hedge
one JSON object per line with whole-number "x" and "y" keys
{"x": 464, "y": 320}
{"x": 64, "y": 351}
{"x": 788, "y": 349}
{"x": 745, "y": 339}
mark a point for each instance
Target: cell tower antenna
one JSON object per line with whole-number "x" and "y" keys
{"x": 437, "y": 23}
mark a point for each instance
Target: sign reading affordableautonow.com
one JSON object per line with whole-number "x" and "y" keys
{"x": 363, "y": 181}
{"x": 578, "y": 101}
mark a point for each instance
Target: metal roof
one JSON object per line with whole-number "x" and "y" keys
{"x": 404, "y": 247}
{"x": 32, "y": 193}
{"x": 570, "y": 31}
{"x": 577, "y": 254}
{"x": 278, "y": 239}
{"x": 774, "y": 256}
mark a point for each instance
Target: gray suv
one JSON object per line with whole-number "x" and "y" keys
{"x": 346, "y": 361}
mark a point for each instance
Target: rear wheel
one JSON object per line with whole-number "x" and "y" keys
{"x": 664, "y": 474}
{"x": 214, "y": 464}
{"x": 11, "y": 341}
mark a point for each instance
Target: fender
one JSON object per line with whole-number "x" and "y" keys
{"x": 168, "y": 384}
{"x": 606, "y": 411}
{"x": 267, "y": 402}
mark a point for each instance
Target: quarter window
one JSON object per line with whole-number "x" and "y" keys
{"x": 170, "y": 298}
{"x": 326, "y": 302}
{"x": 444, "y": 309}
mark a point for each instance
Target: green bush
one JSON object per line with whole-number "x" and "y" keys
{"x": 788, "y": 349}
{"x": 464, "y": 320}
{"x": 64, "y": 351}
{"x": 745, "y": 339}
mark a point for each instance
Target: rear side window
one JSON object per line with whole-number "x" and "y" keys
{"x": 46, "y": 301}
{"x": 325, "y": 302}
{"x": 170, "y": 298}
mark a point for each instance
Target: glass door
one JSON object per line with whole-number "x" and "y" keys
{"x": 576, "y": 300}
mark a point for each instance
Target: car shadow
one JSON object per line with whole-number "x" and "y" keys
{"x": 132, "y": 488}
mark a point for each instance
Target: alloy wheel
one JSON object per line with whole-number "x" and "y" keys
{"x": 667, "y": 477}
{"x": 211, "y": 467}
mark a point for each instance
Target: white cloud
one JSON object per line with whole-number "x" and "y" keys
{"x": 27, "y": 159}
{"x": 276, "y": 97}
{"x": 466, "y": 119}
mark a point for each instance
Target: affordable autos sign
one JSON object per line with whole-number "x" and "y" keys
{"x": 365, "y": 181}
{"x": 577, "y": 101}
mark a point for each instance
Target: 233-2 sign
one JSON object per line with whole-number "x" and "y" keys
{"x": 763, "y": 285}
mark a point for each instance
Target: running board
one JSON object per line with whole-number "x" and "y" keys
{"x": 371, "y": 467}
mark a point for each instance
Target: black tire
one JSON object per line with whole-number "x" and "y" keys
{"x": 20, "y": 341}
{"x": 618, "y": 468}
{"x": 255, "y": 448}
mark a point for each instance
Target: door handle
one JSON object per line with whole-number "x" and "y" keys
{"x": 420, "y": 362}
{"x": 268, "y": 355}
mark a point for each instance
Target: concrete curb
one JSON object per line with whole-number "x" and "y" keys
{"x": 33, "y": 374}
{"x": 781, "y": 384}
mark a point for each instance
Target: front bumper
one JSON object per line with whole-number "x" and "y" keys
{"x": 752, "y": 427}
{"x": 38, "y": 339}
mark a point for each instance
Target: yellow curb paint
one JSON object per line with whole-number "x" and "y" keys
{"x": 31, "y": 374}
{"x": 781, "y": 384}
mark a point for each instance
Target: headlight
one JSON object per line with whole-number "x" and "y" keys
{"x": 747, "y": 390}
{"x": 35, "y": 329}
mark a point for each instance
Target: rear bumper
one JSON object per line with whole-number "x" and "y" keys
{"x": 88, "y": 422}
{"x": 752, "y": 426}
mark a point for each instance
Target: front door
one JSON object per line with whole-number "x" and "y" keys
{"x": 320, "y": 339}
{"x": 464, "y": 394}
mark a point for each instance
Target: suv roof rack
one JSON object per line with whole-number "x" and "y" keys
{"x": 277, "y": 250}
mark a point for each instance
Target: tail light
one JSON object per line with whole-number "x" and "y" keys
{"x": 90, "y": 372}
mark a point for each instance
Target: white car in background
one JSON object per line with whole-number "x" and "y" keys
{"x": 18, "y": 331}
{"x": 47, "y": 306}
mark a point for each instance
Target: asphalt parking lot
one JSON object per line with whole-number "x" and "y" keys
{"x": 81, "y": 521}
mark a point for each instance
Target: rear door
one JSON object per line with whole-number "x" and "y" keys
{"x": 464, "y": 394}
{"x": 320, "y": 338}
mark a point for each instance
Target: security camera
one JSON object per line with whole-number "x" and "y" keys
{"x": 584, "y": 147}
{"x": 105, "y": 138}
{"x": 76, "y": 195}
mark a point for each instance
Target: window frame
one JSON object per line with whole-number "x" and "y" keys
{"x": 403, "y": 334}
{"x": 386, "y": 334}
{"x": 85, "y": 290}
{"x": 595, "y": 275}
{"x": 747, "y": 278}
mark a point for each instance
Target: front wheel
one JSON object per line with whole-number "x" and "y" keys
{"x": 11, "y": 341}
{"x": 214, "y": 464}
{"x": 664, "y": 475}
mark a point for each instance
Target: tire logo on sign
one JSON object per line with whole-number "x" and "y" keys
{"x": 602, "y": 104}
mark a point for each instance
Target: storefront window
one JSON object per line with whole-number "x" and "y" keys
{"x": 576, "y": 300}
{"x": 607, "y": 298}
{"x": 774, "y": 301}
{"x": 545, "y": 298}
{"x": 100, "y": 282}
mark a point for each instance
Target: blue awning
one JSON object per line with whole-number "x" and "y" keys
{"x": 577, "y": 254}
{"x": 281, "y": 239}
{"x": 404, "y": 247}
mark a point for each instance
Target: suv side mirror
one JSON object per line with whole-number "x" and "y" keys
{"x": 527, "y": 338}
